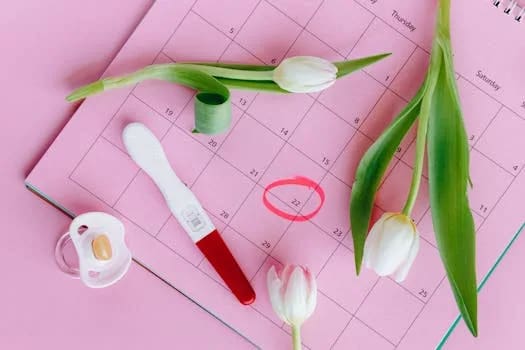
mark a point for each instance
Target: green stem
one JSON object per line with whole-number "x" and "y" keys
{"x": 229, "y": 73}
{"x": 296, "y": 336}
{"x": 426, "y": 104}
{"x": 418, "y": 165}
{"x": 166, "y": 72}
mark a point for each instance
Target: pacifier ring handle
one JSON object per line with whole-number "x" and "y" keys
{"x": 60, "y": 257}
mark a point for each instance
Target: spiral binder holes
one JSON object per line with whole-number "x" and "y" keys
{"x": 520, "y": 15}
{"x": 511, "y": 8}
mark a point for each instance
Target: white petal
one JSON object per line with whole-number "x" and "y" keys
{"x": 305, "y": 74}
{"x": 285, "y": 275}
{"x": 311, "y": 300}
{"x": 275, "y": 285}
{"x": 318, "y": 87}
{"x": 394, "y": 245}
{"x": 402, "y": 271}
{"x": 372, "y": 240}
{"x": 295, "y": 297}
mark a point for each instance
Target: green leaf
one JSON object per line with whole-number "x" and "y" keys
{"x": 211, "y": 80}
{"x": 245, "y": 67}
{"x": 347, "y": 67}
{"x": 262, "y": 86}
{"x": 212, "y": 102}
{"x": 344, "y": 67}
{"x": 262, "y": 81}
{"x": 371, "y": 170}
{"x": 448, "y": 169}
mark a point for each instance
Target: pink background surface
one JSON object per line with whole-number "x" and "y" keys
{"x": 45, "y": 50}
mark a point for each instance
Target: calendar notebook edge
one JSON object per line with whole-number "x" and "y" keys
{"x": 49, "y": 200}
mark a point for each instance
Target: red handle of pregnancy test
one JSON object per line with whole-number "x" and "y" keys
{"x": 222, "y": 260}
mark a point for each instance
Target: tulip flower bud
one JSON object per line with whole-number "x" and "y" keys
{"x": 293, "y": 295}
{"x": 305, "y": 74}
{"x": 392, "y": 245}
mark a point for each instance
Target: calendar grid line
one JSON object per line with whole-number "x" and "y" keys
{"x": 358, "y": 128}
{"x": 500, "y": 109}
{"x": 279, "y": 152}
{"x": 502, "y": 195}
{"x": 444, "y": 278}
{"x": 174, "y": 251}
{"x": 154, "y": 110}
{"x": 491, "y": 97}
{"x": 137, "y": 172}
{"x": 326, "y": 173}
{"x": 341, "y": 333}
{"x": 246, "y": 20}
{"x": 246, "y": 113}
{"x": 354, "y": 127}
{"x": 420, "y": 312}
{"x": 177, "y": 27}
{"x": 109, "y": 205}
{"x": 233, "y": 127}
{"x": 424, "y": 302}
{"x": 425, "y": 50}
{"x": 160, "y": 114}
{"x": 161, "y": 138}
{"x": 226, "y": 288}
{"x": 388, "y": 24}
{"x": 357, "y": 310}
{"x": 298, "y": 214}
{"x": 493, "y": 161}
{"x": 391, "y": 81}
{"x": 304, "y": 28}
{"x": 96, "y": 138}
{"x": 360, "y": 36}
{"x": 374, "y": 330}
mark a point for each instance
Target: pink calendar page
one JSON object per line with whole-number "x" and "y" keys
{"x": 319, "y": 136}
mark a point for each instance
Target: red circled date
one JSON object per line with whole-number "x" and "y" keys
{"x": 296, "y": 181}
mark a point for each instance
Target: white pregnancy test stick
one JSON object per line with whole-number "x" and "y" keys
{"x": 146, "y": 150}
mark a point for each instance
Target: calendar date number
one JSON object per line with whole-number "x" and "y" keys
{"x": 338, "y": 232}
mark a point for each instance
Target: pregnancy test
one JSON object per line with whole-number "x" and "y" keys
{"x": 146, "y": 150}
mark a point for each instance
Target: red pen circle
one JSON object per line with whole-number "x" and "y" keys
{"x": 296, "y": 181}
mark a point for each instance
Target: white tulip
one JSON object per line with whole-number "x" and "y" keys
{"x": 305, "y": 74}
{"x": 392, "y": 245}
{"x": 293, "y": 295}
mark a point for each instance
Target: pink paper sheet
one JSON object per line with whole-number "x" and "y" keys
{"x": 319, "y": 136}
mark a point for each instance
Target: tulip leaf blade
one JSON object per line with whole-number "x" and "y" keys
{"x": 261, "y": 85}
{"x": 344, "y": 67}
{"x": 448, "y": 168}
{"x": 347, "y": 67}
{"x": 212, "y": 102}
{"x": 371, "y": 170}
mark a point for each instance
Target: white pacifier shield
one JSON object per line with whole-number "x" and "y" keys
{"x": 97, "y": 273}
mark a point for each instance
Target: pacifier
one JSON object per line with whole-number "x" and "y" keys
{"x": 101, "y": 252}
